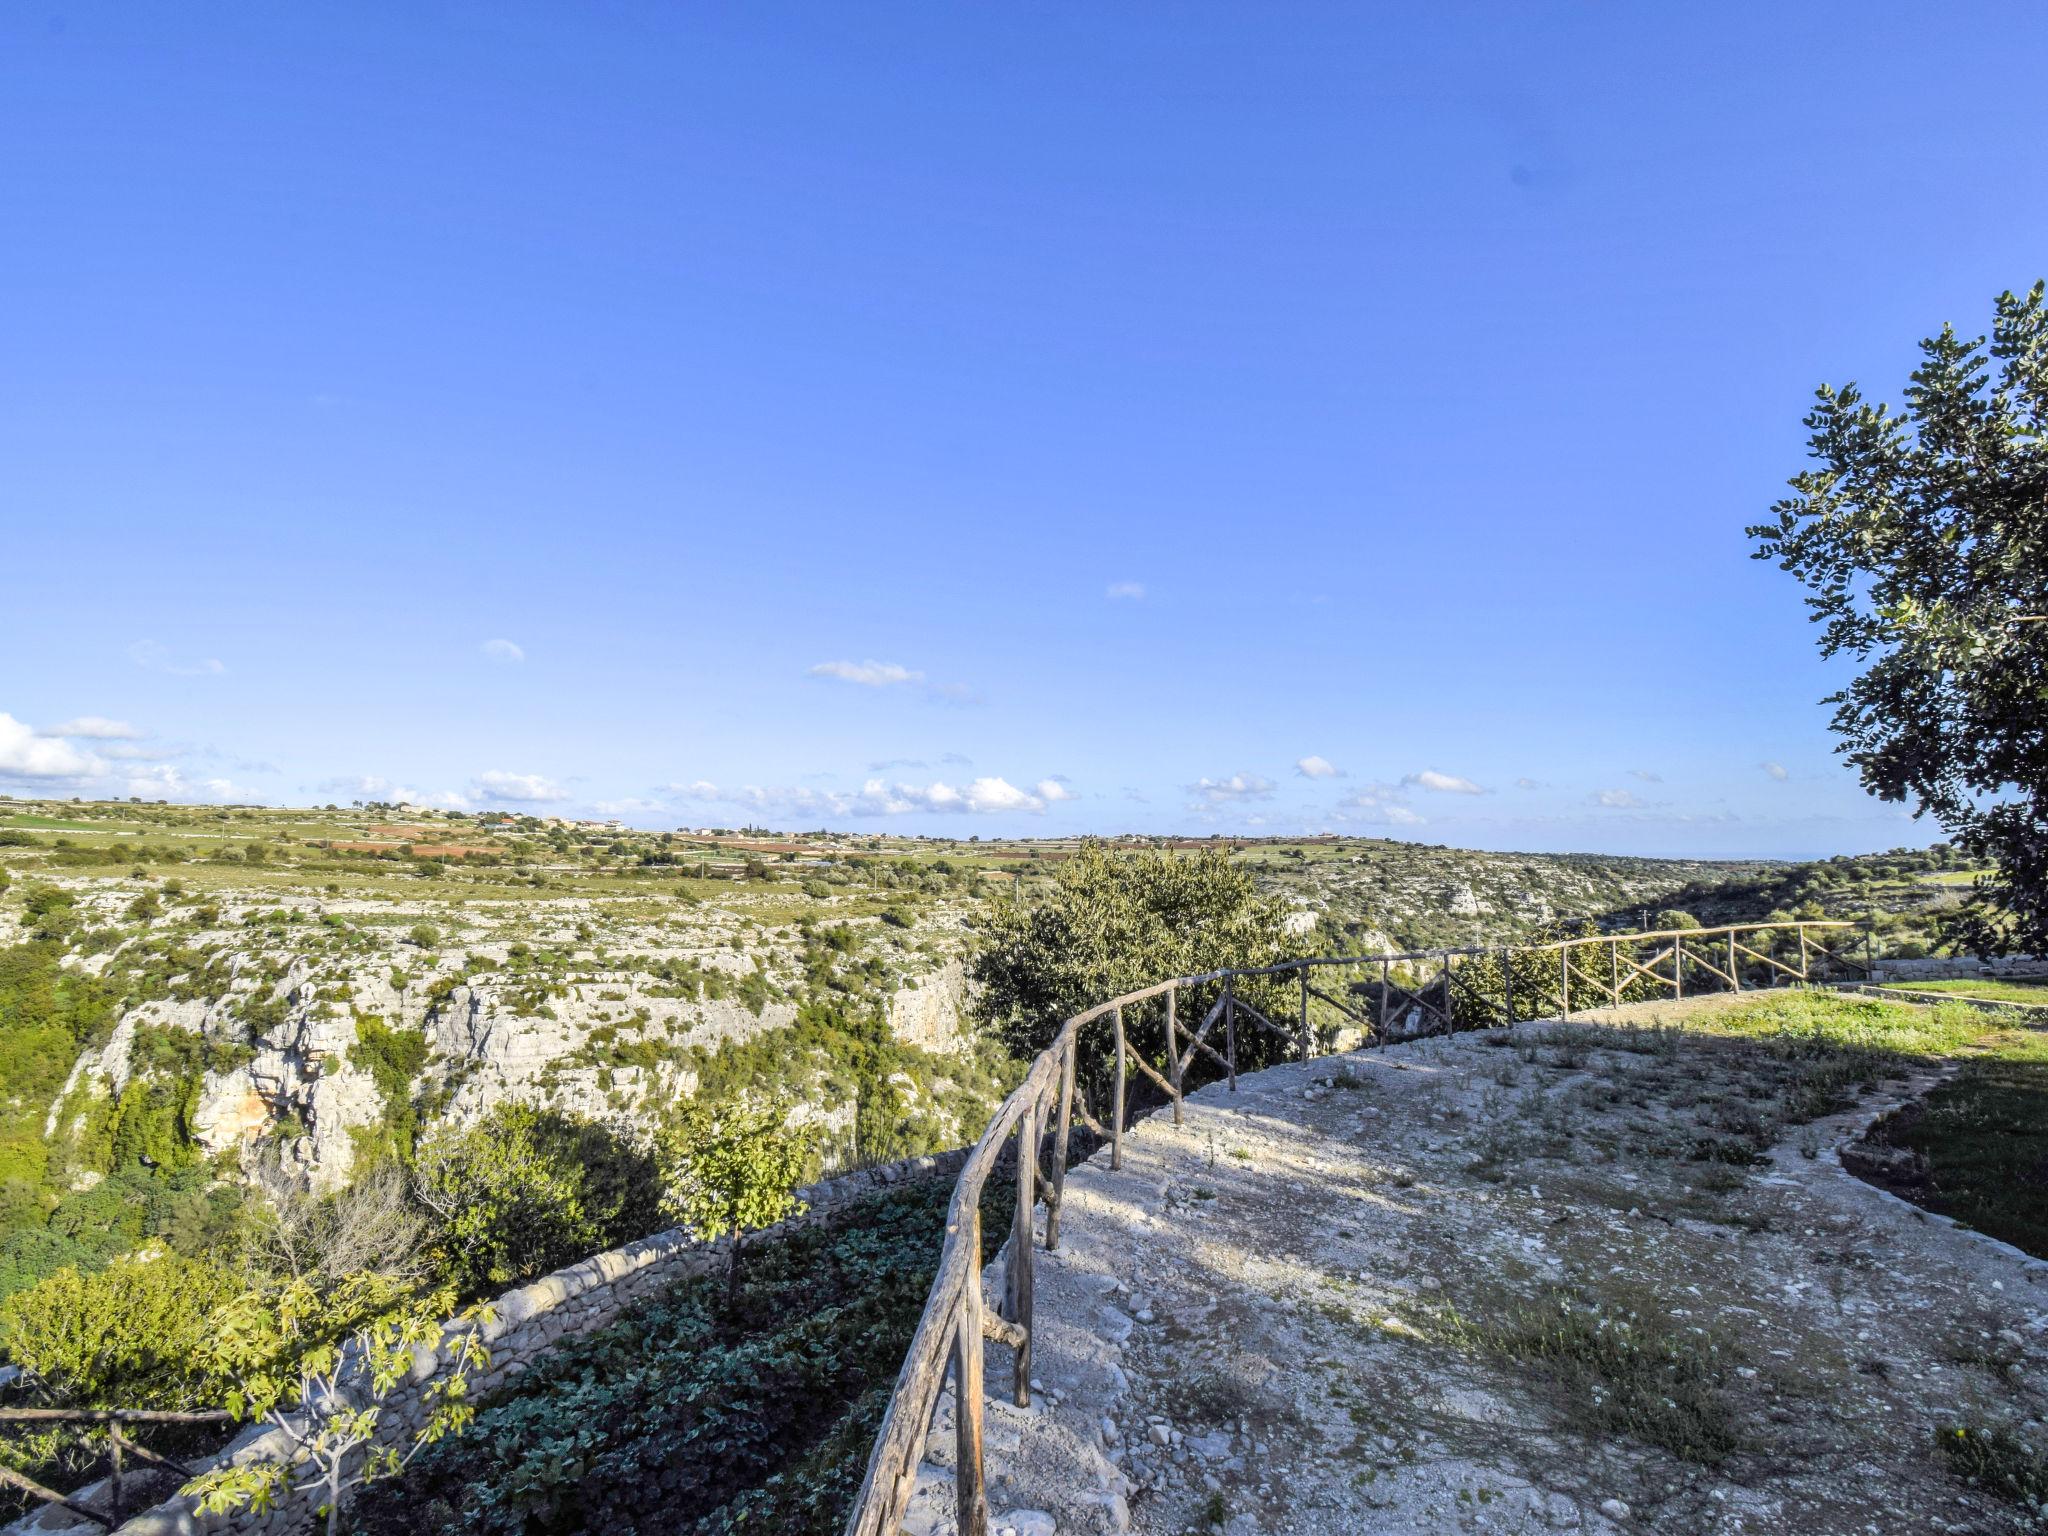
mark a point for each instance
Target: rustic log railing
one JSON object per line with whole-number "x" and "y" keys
{"x": 956, "y": 1318}
{"x": 120, "y": 1446}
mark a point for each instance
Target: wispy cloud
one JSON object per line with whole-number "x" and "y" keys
{"x": 1313, "y": 767}
{"x": 986, "y": 796}
{"x": 519, "y": 788}
{"x": 373, "y": 786}
{"x": 503, "y": 650}
{"x": 1618, "y": 799}
{"x": 1527, "y": 783}
{"x": 1646, "y": 775}
{"x": 1777, "y": 771}
{"x": 93, "y": 728}
{"x": 166, "y": 781}
{"x": 1126, "y": 591}
{"x": 1375, "y": 807}
{"x": 1441, "y": 783}
{"x": 867, "y": 674}
{"x": 154, "y": 656}
{"x": 1235, "y": 790}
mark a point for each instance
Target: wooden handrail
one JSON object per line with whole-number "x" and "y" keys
{"x": 956, "y": 1318}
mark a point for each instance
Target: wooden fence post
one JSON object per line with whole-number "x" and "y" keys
{"x": 1677, "y": 967}
{"x": 971, "y": 1494}
{"x": 1024, "y": 1249}
{"x": 1614, "y": 970}
{"x": 1564, "y": 978}
{"x": 1450, "y": 1019}
{"x": 1803, "y": 976}
{"x": 1507, "y": 980}
{"x": 1734, "y": 974}
{"x": 1116, "y": 1104}
{"x": 1230, "y": 1027}
{"x": 1059, "y": 1144}
{"x": 1304, "y": 1013}
{"x": 1173, "y": 1046}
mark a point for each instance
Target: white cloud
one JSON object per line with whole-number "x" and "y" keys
{"x": 1618, "y": 799}
{"x": 166, "y": 782}
{"x": 1646, "y": 776}
{"x": 1373, "y": 806}
{"x": 519, "y": 788}
{"x": 1442, "y": 783}
{"x": 503, "y": 650}
{"x": 93, "y": 728}
{"x": 28, "y": 754}
{"x": 1777, "y": 771}
{"x": 1527, "y": 783}
{"x": 1131, "y": 591}
{"x": 1313, "y": 767}
{"x": 1236, "y": 789}
{"x": 629, "y": 806}
{"x": 372, "y": 786}
{"x": 987, "y": 796}
{"x": 868, "y": 674}
{"x": 154, "y": 656}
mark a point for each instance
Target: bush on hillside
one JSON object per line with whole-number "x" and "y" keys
{"x": 527, "y": 1190}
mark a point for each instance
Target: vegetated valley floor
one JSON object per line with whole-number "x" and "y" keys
{"x": 1600, "y": 1276}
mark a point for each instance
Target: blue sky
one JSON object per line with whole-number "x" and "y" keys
{"x": 970, "y": 419}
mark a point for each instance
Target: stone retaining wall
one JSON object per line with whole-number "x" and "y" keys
{"x": 1960, "y": 967}
{"x": 527, "y": 1323}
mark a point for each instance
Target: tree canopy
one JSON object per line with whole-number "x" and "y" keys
{"x": 1922, "y": 540}
{"x": 1113, "y": 923}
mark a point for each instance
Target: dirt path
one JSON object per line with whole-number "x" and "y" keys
{"x": 1487, "y": 1284}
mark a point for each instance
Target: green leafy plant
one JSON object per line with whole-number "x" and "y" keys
{"x": 329, "y": 1401}
{"x": 731, "y": 1169}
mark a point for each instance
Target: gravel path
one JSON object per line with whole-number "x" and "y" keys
{"x": 1475, "y": 1285}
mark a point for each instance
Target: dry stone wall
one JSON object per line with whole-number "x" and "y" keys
{"x": 526, "y": 1324}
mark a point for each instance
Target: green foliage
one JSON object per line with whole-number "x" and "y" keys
{"x": 1998, "y": 1460}
{"x": 527, "y": 1190}
{"x": 730, "y": 1169}
{"x": 394, "y": 1059}
{"x": 697, "y": 1413}
{"x": 1921, "y": 537}
{"x": 284, "y": 1348}
{"x": 1112, "y": 923}
{"x": 129, "y": 1336}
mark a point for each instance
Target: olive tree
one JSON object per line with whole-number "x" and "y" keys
{"x": 1921, "y": 536}
{"x": 1112, "y": 923}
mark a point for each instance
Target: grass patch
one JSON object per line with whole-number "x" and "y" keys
{"x": 1628, "y": 1373}
{"x": 1977, "y": 1146}
{"x": 1999, "y": 1462}
{"x": 1993, "y": 990}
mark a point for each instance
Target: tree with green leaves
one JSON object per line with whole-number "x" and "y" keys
{"x": 327, "y": 1399}
{"x": 1921, "y": 537}
{"x": 1112, "y": 923}
{"x": 525, "y": 1190}
{"x": 730, "y": 1169}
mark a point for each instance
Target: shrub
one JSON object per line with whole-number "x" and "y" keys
{"x": 528, "y": 1190}
{"x": 127, "y": 1337}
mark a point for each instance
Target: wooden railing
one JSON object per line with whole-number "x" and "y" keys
{"x": 120, "y": 1446}
{"x": 957, "y": 1318}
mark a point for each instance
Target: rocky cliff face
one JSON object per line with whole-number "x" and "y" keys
{"x": 606, "y": 1029}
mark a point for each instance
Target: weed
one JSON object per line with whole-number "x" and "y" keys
{"x": 1998, "y": 1461}
{"x": 1632, "y": 1374}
